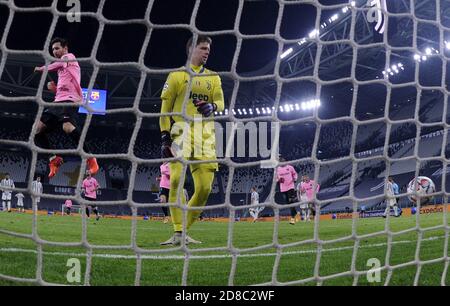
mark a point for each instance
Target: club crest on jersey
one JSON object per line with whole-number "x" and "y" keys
{"x": 95, "y": 95}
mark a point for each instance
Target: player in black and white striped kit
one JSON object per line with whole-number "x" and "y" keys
{"x": 254, "y": 211}
{"x": 36, "y": 186}
{"x": 6, "y": 194}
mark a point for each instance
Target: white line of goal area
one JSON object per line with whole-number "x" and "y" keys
{"x": 118, "y": 256}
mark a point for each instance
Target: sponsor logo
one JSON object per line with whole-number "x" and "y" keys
{"x": 64, "y": 190}
{"x": 431, "y": 210}
{"x": 344, "y": 216}
{"x": 201, "y": 97}
{"x": 377, "y": 213}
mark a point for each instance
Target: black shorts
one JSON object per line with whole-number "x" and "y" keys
{"x": 54, "y": 117}
{"x": 164, "y": 191}
{"x": 290, "y": 196}
{"x": 91, "y": 200}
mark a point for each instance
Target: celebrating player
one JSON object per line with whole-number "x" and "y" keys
{"x": 164, "y": 187}
{"x": 286, "y": 177}
{"x": 90, "y": 187}
{"x": 68, "y": 89}
{"x": 6, "y": 193}
{"x": 205, "y": 98}
{"x": 310, "y": 188}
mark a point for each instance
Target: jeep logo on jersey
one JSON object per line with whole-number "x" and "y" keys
{"x": 201, "y": 97}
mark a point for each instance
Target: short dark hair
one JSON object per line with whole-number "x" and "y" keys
{"x": 64, "y": 43}
{"x": 200, "y": 39}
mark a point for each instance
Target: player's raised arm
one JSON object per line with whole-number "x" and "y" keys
{"x": 55, "y": 66}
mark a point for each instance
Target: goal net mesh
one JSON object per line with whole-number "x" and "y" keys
{"x": 359, "y": 14}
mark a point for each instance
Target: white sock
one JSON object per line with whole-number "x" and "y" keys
{"x": 9, "y": 205}
{"x": 396, "y": 210}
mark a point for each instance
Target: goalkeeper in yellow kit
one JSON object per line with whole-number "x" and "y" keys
{"x": 193, "y": 139}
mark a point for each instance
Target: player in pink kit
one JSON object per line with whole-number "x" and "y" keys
{"x": 68, "y": 205}
{"x": 90, "y": 187}
{"x": 164, "y": 188}
{"x": 68, "y": 89}
{"x": 286, "y": 177}
{"x": 310, "y": 188}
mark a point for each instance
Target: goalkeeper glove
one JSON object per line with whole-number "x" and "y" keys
{"x": 205, "y": 108}
{"x": 166, "y": 143}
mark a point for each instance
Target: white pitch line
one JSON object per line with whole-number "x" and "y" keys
{"x": 117, "y": 256}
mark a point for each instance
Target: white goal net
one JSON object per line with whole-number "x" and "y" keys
{"x": 361, "y": 97}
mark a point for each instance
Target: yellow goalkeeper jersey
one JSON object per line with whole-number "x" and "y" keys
{"x": 207, "y": 87}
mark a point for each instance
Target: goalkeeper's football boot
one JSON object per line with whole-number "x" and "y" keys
{"x": 55, "y": 163}
{"x": 292, "y": 221}
{"x": 191, "y": 240}
{"x": 166, "y": 220}
{"x": 174, "y": 240}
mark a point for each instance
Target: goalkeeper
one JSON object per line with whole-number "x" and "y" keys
{"x": 193, "y": 140}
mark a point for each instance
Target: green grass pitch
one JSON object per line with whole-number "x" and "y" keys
{"x": 18, "y": 256}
